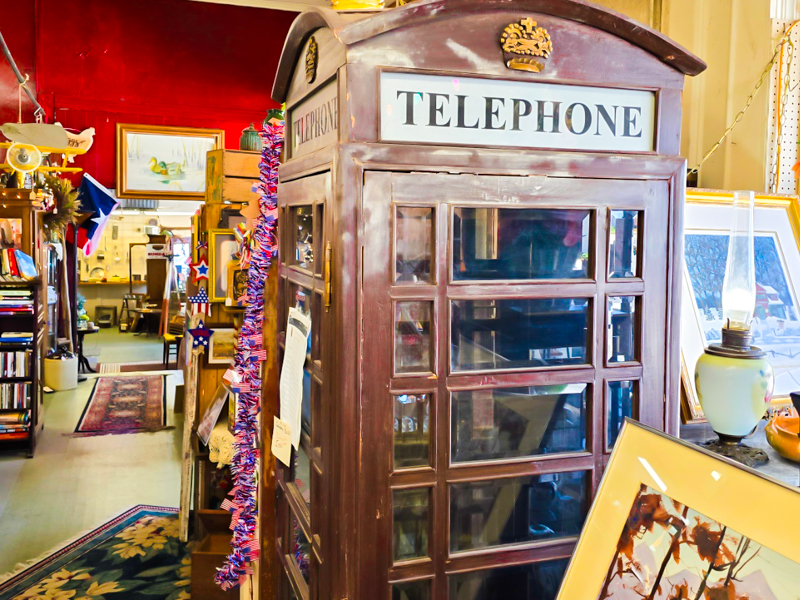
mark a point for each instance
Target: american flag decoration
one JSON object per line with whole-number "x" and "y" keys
{"x": 200, "y": 335}
{"x": 202, "y": 245}
{"x": 200, "y": 301}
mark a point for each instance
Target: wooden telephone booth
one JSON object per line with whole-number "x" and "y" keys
{"x": 480, "y": 211}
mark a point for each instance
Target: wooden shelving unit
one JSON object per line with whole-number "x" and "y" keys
{"x": 29, "y": 323}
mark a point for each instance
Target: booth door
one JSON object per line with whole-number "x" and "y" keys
{"x": 510, "y": 325}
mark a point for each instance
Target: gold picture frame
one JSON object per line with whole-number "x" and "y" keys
{"x": 221, "y": 244}
{"x": 776, "y": 216}
{"x": 658, "y": 499}
{"x": 156, "y": 161}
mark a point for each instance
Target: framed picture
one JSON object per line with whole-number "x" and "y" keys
{"x": 672, "y": 520}
{"x": 222, "y": 249}
{"x": 221, "y": 346}
{"x": 776, "y": 322}
{"x": 154, "y": 161}
{"x": 237, "y": 284}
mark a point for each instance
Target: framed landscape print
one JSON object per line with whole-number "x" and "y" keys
{"x": 672, "y": 521}
{"x": 776, "y": 322}
{"x": 222, "y": 249}
{"x": 154, "y": 161}
{"x": 222, "y": 346}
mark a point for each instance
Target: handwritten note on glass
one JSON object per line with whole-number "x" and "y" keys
{"x": 291, "y": 384}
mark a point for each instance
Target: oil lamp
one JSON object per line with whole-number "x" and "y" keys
{"x": 734, "y": 380}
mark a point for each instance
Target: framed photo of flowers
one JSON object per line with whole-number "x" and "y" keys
{"x": 674, "y": 521}
{"x": 154, "y": 161}
{"x": 776, "y": 323}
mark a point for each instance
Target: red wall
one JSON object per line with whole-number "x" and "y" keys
{"x": 166, "y": 62}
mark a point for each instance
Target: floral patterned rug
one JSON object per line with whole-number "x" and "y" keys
{"x": 137, "y": 556}
{"x": 124, "y": 405}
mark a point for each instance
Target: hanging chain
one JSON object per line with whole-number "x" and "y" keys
{"x": 785, "y": 40}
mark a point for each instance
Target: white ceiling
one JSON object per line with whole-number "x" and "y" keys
{"x": 293, "y": 5}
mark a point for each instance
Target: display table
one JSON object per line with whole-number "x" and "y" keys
{"x": 83, "y": 363}
{"x": 777, "y": 467}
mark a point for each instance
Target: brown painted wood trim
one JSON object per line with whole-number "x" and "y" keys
{"x": 352, "y": 29}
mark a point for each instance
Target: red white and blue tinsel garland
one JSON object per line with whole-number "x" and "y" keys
{"x": 249, "y": 353}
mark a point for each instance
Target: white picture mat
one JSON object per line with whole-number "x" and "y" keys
{"x": 715, "y": 219}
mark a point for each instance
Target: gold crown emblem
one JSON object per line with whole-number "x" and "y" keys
{"x": 527, "y": 39}
{"x": 312, "y": 53}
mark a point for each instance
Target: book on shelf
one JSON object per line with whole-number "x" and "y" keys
{"x": 14, "y": 395}
{"x": 16, "y": 266}
{"x": 15, "y": 364}
{"x": 14, "y": 435}
{"x": 16, "y": 337}
{"x": 18, "y": 417}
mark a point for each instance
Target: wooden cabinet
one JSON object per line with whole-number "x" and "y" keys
{"x": 486, "y": 235}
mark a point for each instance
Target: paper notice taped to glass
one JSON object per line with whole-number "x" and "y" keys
{"x": 282, "y": 441}
{"x": 291, "y": 384}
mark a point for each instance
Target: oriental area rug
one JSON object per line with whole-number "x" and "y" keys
{"x": 136, "y": 556}
{"x": 124, "y": 405}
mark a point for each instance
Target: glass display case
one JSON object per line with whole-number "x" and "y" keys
{"x": 486, "y": 308}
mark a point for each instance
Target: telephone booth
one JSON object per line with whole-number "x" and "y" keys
{"x": 481, "y": 212}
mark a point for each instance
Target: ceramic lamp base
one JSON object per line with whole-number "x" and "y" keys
{"x": 733, "y": 448}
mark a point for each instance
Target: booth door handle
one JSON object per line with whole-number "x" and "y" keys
{"x": 328, "y": 285}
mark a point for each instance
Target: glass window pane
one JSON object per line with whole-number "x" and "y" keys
{"x": 623, "y": 329}
{"x": 319, "y": 220}
{"x": 411, "y": 430}
{"x": 303, "y": 236}
{"x": 517, "y": 510}
{"x": 301, "y": 548}
{"x": 412, "y": 590}
{"x": 494, "y": 424}
{"x": 302, "y": 474}
{"x": 538, "y": 581}
{"x": 624, "y": 244}
{"x": 306, "y": 403}
{"x": 518, "y": 334}
{"x": 412, "y": 340}
{"x": 414, "y": 244}
{"x": 520, "y": 243}
{"x": 410, "y": 508}
{"x": 622, "y": 403}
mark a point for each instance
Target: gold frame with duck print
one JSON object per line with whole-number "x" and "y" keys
{"x": 155, "y": 161}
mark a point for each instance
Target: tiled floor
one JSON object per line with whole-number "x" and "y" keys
{"x": 75, "y": 484}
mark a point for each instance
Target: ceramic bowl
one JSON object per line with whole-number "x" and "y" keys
{"x": 782, "y": 434}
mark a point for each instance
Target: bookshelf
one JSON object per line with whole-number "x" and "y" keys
{"x": 20, "y": 392}
{"x": 22, "y": 313}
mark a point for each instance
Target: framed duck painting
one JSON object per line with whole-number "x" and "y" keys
{"x": 155, "y": 161}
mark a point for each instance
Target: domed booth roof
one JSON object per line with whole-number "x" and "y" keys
{"x": 351, "y": 29}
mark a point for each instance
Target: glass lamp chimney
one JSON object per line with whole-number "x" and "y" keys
{"x": 739, "y": 285}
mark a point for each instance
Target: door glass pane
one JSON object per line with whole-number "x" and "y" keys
{"x": 303, "y": 236}
{"x": 319, "y": 220}
{"x": 301, "y": 548}
{"x": 518, "y": 334}
{"x": 537, "y": 581}
{"x": 306, "y": 403}
{"x": 412, "y": 590}
{"x": 494, "y": 424}
{"x": 520, "y": 243}
{"x": 623, "y": 330}
{"x": 412, "y": 338}
{"x": 414, "y": 244}
{"x": 517, "y": 510}
{"x": 411, "y": 430}
{"x": 624, "y": 244}
{"x": 621, "y": 403}
{"x": 302, "y": 474}
{"x": 410, "y": 508}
